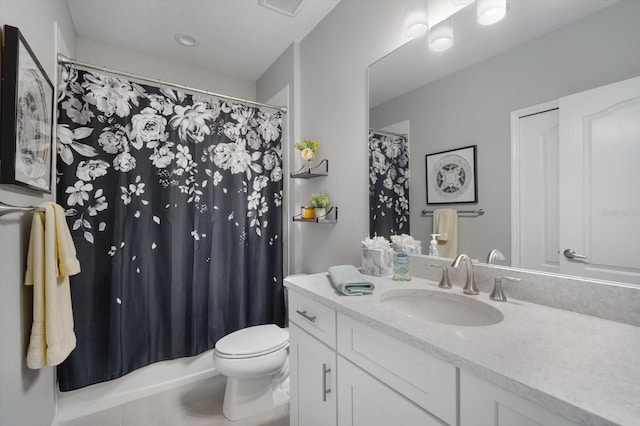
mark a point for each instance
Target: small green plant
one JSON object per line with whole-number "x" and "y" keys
{"x": 319, "y": 200}
{"x": 307, "y": 148}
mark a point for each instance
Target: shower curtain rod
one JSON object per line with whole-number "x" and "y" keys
{"x": 382, "y": 132}
{"x": 64, "y": 60}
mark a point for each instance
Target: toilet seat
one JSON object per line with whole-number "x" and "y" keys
{"x": 252, "y": 342}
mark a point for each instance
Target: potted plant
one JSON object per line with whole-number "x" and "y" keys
{"x": 307, "y": 149}
{"x": 307, "y": 212}
{"x": 319, "y": 202}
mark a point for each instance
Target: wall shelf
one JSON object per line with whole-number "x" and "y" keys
{"x": 329, "y": 218}
{"x": 308, "y": 172}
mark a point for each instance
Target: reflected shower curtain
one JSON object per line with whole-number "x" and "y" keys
{"x": 175, "y": 207}
{"x": 388, "y": 185}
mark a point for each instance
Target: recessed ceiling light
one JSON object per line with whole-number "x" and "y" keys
{"x": 186, "y": 39}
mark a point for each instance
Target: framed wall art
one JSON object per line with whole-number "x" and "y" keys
{"x": 26, "y": 120}
{"x": 452, "y": 176}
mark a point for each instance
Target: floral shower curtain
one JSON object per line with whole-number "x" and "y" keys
{"x": 388, "y": 185}
{"x": 175, "y": 207}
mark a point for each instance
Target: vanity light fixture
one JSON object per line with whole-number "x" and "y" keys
{"x": 415, "y": 18}
{"x": 491, "y": 11}
{"x": 186, "y": 39}
{"x": 461, "y": 2}
{"x": 441, "y": 36}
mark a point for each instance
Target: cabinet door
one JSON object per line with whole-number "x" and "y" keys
{"x": 364, "y": 401}
{"x": 483, "y": 404}
{"x": 312, "y": 378}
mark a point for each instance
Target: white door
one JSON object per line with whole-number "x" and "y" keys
{"x": 312, "y": 378}
{"x": 483, "y": 404}
{"x": 535, "y": 195}
{"x": 365, "y": 401}
{"x": 600, "y": 182}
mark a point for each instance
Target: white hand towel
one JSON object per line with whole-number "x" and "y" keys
{"x": 445, "y": 223}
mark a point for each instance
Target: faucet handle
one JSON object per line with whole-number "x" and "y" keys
{"x": 444, "y": 281}
{"x": 497, "y": 293}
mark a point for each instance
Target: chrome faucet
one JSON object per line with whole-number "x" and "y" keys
{"x": 469, "y": 284}
{"x": 497, "y": 294}
{"x": 494, "y": 255}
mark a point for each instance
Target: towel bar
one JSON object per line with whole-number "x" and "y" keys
{"x": 474, "y": 213}
{"x": 7, "y": 208}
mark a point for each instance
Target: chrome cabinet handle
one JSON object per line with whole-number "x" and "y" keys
{"x": 571, "y": 254}
{"x": 325, "y": 391}
{"x": 306, "y": 316}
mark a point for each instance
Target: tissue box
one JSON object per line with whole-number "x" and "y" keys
{"x": 377, "y": 262}
{"x": 416, "y": 250}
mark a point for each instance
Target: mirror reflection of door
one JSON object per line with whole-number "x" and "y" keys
{"x": 536, "y": 207}
{"x": 599, "y": 179}
{"x": 575, "y": 213}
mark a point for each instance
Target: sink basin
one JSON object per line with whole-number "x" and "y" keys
{"x": 441, "y": 307}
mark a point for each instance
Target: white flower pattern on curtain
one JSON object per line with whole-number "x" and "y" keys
{"x": 388, "y": 185}
{"x": 132, "y": 159}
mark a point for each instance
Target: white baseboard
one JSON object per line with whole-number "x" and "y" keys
{"x": 141, "y": 383}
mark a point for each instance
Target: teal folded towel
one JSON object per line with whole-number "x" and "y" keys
{"x": 346, "y": 279}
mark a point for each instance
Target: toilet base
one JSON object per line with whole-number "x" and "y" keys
{"x": 248, "y": 397}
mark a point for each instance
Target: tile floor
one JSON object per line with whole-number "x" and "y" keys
{"x": 198, "y": 404}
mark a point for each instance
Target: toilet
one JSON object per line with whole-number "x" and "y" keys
{"x": 255, "y": 361}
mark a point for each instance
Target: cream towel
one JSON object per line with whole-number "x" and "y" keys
{"x": 50, "y": 261}
{"x": 445, "y": 223}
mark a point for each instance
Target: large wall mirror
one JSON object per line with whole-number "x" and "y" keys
{"x": 540, "y": 52}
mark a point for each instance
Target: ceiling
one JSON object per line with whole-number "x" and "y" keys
{"x": 413, "y": 65}
{"x": 238, "y": 38}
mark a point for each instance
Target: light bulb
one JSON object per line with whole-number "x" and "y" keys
{"x": 415, "y": 18}
{"x": 491, "y": 11}
{"x": 441, "y": 36}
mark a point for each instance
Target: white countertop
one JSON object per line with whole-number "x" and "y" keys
{"x": 584, "y": 368}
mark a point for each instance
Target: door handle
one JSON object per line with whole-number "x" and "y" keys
{"x": 325, "y": 391}
{"x": 306, "y": 316}
{"x": 571, "y": 254}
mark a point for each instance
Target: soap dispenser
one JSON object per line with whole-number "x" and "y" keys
{"x": 433, "y": 248}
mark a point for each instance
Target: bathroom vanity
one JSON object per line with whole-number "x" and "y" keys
{"x": 364, "y": 361}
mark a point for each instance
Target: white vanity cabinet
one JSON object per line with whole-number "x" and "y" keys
{"x": 346, "y": 373}
{"x": 312, "y": 362}
{"x": 483, "y": 404}
{"x": 382, "y": 381}
{"x": 366, "y": 401}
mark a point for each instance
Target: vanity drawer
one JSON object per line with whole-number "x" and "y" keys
{"x": 313, "y": 317}
{"x": 422, "y": 378}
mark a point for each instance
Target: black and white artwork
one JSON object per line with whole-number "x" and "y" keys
{"x": 27, "y": 96}
{"x": 451, "y": 176}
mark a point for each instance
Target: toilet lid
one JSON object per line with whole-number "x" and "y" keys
{"x": 253, "y": 341}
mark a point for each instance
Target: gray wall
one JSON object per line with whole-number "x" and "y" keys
{"x": 151, "y": 66}
{"x": 473, "y": 106}
{"x": 333, "y": 107}
{"x": 27, "y": 397}
{"x": 285, "y": 73}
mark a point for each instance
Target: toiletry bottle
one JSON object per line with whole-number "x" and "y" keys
{"x": 433, "y": 248}
{"x": 401, "y": 266}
